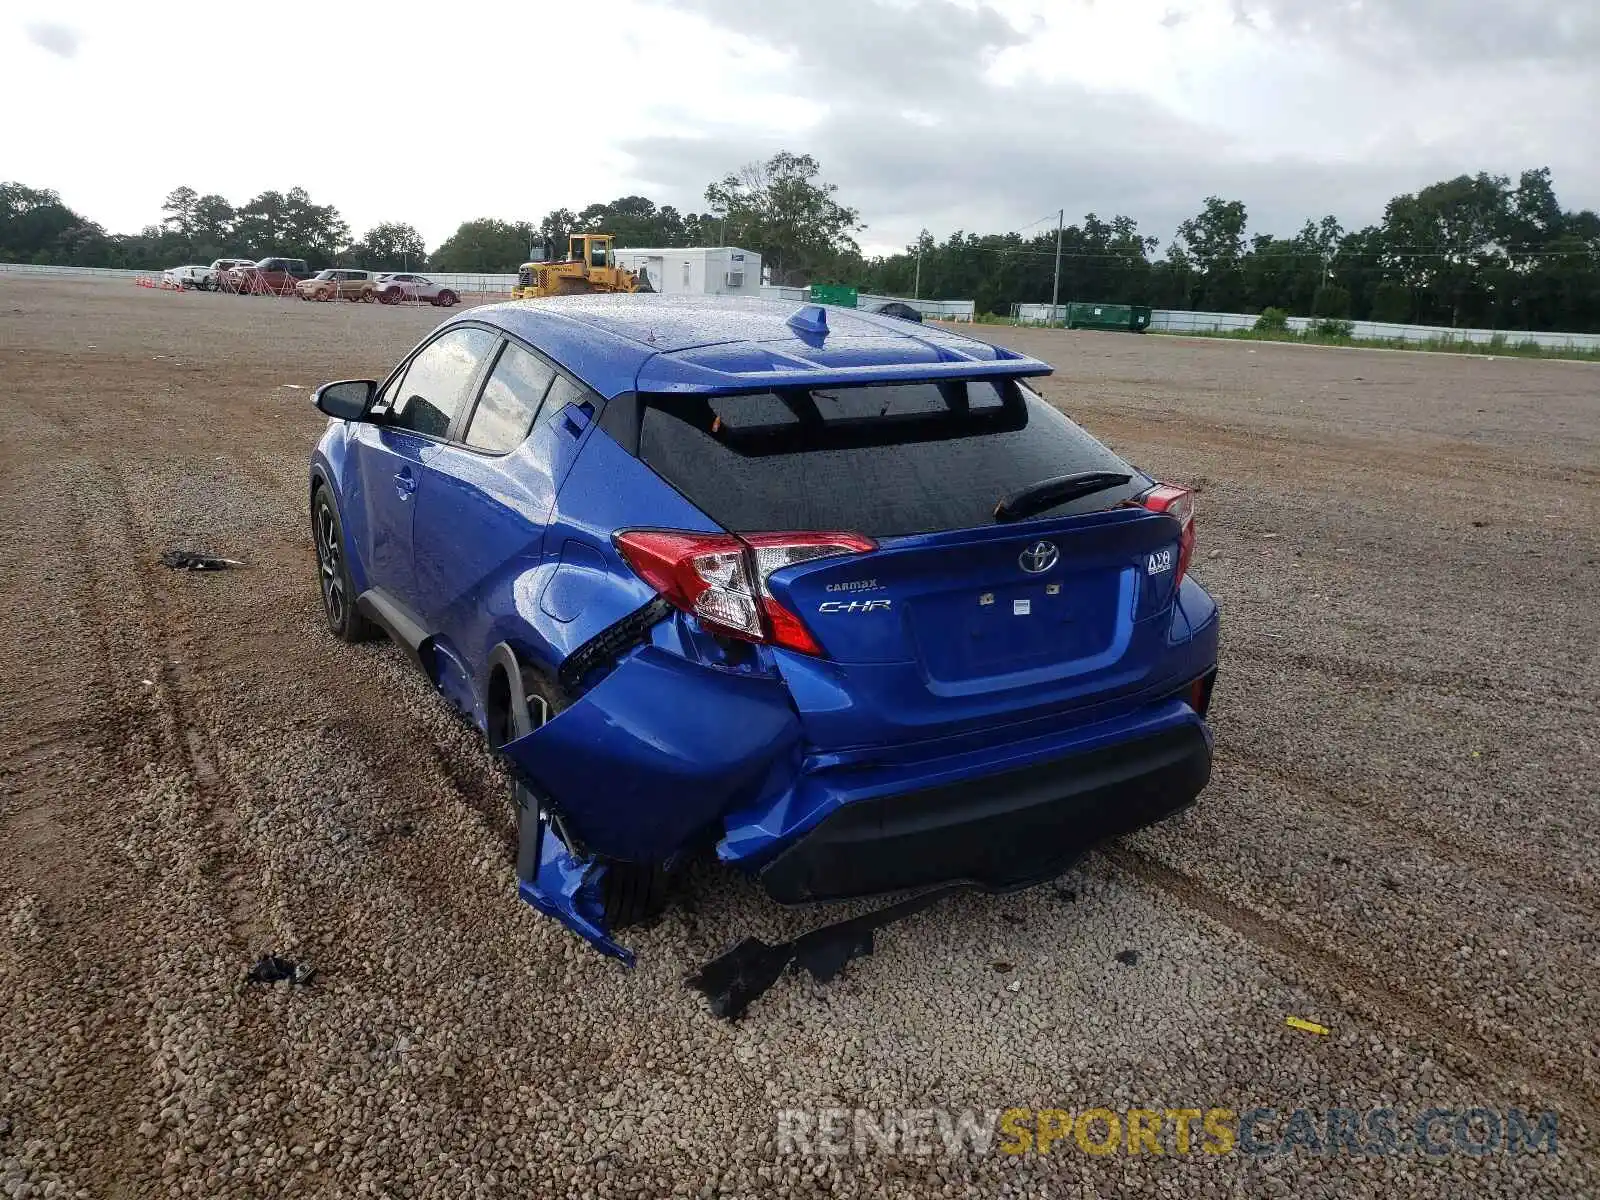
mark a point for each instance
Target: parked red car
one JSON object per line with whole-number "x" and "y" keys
{"x": 270, "y": 276}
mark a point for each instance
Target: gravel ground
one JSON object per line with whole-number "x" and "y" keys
{"x": 1399, "y": 840}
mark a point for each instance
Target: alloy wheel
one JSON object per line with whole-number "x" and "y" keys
{"x": 330, "y": 562}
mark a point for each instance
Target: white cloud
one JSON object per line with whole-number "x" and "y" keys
{"x": 938, "y": 113}
{"x": 60, "y": 40}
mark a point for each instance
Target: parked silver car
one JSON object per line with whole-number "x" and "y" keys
{"x": 394, "y": 288}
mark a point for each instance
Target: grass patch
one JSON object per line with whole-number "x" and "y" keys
{"x": 1331, "y": 334}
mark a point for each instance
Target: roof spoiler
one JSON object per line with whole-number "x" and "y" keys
{"x": 675, "y": 373}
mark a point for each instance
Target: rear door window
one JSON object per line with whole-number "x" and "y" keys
{"x": 562, "y": 393}
{"x": 510, "y": 399}
{"x": 887, "y": 460}
{"x": 434, "y": 386}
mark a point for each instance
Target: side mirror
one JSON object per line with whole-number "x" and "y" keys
{"x": 346, "y": 400}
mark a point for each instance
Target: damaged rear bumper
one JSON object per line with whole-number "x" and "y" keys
{"x": 662, "y": 751}
{"x": 635, "y": 770}
{"x": 999, "y": 829}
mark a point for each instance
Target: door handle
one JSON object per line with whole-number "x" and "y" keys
{"x": 404, "y": 483}
{"x": 578, "y": 417}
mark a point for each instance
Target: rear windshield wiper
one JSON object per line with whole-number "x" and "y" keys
{"x": 1048, "y": 493}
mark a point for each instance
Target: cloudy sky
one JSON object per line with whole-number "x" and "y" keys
{"x": 944, "y": 114}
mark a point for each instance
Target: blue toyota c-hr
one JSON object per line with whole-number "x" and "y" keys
{"x": 838, "y": 593}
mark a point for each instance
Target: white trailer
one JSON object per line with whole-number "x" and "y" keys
{"x": 697, "y": 270}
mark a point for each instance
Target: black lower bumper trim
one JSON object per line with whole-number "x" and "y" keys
{"x": 998, "y": 832}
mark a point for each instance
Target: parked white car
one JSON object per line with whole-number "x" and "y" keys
{"x": 203, "y": 278}
{"x": 394, "y": 288}
{"x": 219, "y": 269}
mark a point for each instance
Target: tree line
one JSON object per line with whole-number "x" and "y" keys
{"x": 1474, "y": 251}
{"x": 1471, "y": 251}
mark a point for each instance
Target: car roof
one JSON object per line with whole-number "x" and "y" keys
{"x": 718, "y": 344}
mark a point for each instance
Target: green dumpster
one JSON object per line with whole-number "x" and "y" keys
{"x": 828, "y": 293}
{"x": 1127, "y": 318}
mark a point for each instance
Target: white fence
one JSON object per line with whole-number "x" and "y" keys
{"x": 458, "y": 281}
{"x": 1199, "y": 322}
{"x": 1039, "y": 314}
{"x": 1170, "y": 321}
{"x": 501, "y": 284}
{"x": 939, "y": 310}
{"x": 85, "y": 272}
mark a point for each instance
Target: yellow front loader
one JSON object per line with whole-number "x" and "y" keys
{"x": 590, "y": 266}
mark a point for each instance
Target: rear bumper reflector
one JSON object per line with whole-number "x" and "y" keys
{"x": 1199, "y": 693}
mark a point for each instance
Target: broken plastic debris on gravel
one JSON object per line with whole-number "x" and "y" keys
{"x": 270, "y": 968}
{"x": 740, "y": 977}
{"x": 190, "y": 560}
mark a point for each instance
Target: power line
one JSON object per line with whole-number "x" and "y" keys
{"x": 1310, "y": 255}
{"x": 1032, "y": 224}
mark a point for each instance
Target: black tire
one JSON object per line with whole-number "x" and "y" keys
{"x": 634, "y": 893}
{"x": 345, "y": 622}
{"x": 630, "y": 893}
{"x": 447, "y": 299}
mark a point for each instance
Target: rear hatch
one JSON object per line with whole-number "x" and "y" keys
{"x": 954, "y": 621}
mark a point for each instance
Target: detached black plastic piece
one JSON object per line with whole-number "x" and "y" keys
{"x": 269, "y": 968}
{"x": 738, "y": 978}
{"x": 190, "y": 560}
{"x": 734, "y": 981}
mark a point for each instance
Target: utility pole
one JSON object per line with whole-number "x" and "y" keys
{"x": 916, "y": 286}
{"x": 1055, "y": 288}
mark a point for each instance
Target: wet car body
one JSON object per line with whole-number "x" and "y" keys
{"x": 840, "y": 595}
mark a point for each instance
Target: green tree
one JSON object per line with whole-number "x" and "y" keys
{"x": 213, "y": 220}
{"x": 31, "y": 222}
{"x": 781, "y": 209}
{"x": 180, "y": 206}
{"x": 391, "y": 245}
{"x": 290, "y": 224}
{"x": 1440, "y": 241}
{"x": 1391, "y": 301}
{"x": 1213, "y": 242}
{"x": 637, "y": 221}
{"x": 488, "y": 245}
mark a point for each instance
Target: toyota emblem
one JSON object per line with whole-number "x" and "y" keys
{"x": 1039, "y": 558}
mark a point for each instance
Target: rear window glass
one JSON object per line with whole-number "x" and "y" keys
{"x": 510, "y": 399}
{"x": 884, "y": 461}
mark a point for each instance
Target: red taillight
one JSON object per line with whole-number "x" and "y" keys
{"x": 1175, "y": 502}
{"x": 722, "y": 579}
{"x": 702, "y": 573}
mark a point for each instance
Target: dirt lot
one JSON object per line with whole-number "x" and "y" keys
{"x": 1399, "y": 841}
